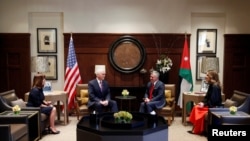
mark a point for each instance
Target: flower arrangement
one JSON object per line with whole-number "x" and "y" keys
{"x": 164, "y": 64}
{"x": 16, "y": 109}
{"x": 232, "y": 110}
{"x": 125, "y": 92}
{"x": 123, "y": 117}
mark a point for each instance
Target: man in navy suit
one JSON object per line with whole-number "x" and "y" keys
{"x": 99, "y": 92}
{"x": 154, "y": 97}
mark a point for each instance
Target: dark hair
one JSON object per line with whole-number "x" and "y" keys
{"x": 38, "y": 80}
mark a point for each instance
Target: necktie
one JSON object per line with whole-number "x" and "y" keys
{"x": 151, "y": 91}
{"x": 101, "y": 85}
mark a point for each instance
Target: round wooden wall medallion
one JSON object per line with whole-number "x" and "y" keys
{"x": 127, "y": 54}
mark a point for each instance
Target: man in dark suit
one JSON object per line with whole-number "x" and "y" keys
{"x": 99, "y": 92}
{"x": 154, "y": 97}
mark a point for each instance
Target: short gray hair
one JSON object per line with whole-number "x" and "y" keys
{"x": 156, "y": 73}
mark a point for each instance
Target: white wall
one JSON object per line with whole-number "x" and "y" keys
{"x": 125, "y": 16}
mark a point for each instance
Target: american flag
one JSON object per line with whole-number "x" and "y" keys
{"x": 72, "y": 75}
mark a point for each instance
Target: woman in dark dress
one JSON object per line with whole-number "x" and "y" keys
{"x": 212, "y": 99}
{"x": 37, "y": 99}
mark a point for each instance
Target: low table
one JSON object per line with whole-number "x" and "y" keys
{"x": 149, "y": 131}
{"x": 33, "y": 121}
{"x": 216, "y": 116}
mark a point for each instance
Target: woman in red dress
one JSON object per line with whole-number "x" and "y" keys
{"x": 211, "y": 99}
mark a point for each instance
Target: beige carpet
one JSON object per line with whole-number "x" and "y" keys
{"x": 177, "y": 132}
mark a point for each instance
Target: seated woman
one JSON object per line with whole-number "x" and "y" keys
{"x": 211, "y": 99}
{"x": 37, "y": 99}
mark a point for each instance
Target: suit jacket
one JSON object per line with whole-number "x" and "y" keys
{"x": 213, "y": 96}
{"x": 158, "y": 93}
{"x": 95, "y": 93}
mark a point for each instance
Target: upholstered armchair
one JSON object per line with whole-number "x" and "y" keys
{"x": 239, "y": 99}
{"x": 8, "y": 99}
{"x": 168, "y": 110}
{"x": 82, "y": 98}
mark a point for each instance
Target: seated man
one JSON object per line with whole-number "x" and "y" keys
{"x": 99, "y": 92}
{"x": 154, "y": 97}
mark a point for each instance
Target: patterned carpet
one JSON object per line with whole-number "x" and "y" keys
{"x": 177, "y": 132}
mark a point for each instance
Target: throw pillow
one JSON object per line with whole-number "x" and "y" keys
{"x": 84, "y": 93}
{"x": 167, "y": 93}
{"x": 239, "y": 98}
{"x": 84, "y": 96}
{"x": 84, "y": 100}
{"x": 169, "y": 100}
{"x": 18, "y": 102}
{"x": 229, "y": 103}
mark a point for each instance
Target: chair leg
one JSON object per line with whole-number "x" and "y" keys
{"x": 169, "y": 120}
{"x": 77, "y": 110}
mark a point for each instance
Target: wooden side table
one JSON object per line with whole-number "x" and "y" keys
{"x": 125, "y": 98}
{"x": 56, "y": 96}
{"x": 196, "y": 98}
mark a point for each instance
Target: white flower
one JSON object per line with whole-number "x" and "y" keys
{"x": 233, "y": 109}
{"x": 125, "y": 92}
{"x": 16, "y": 108}
{"x": 164, "y": 64}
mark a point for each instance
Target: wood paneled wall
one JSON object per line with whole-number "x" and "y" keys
{"x": 236, "y": 63}
{"x": 15, "y": 62}
{"x": 92, "y": 49}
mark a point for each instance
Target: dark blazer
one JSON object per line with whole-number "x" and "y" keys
{"x": 95, "y": 93}
{"x": 213, "y": 96}
{"x": 158, "y": 94}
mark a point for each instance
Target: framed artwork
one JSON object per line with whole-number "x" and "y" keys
{"x": 200, "y": 73}
{"x": 52, "y": 73}
{"x": 47, "y": 40}
{"x": 206, "y": 41}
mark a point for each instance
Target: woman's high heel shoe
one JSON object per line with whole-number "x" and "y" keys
{"x": 53, "y": 132}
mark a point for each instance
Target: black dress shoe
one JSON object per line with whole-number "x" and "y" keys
{"x": 190, "y": 132}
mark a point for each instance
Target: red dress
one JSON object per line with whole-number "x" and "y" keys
{"x": 197, "y": 117}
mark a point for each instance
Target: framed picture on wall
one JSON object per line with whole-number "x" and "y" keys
{"x": 206, "y": 41}
{"x": 47, "y": 40}
{"x": 52, "y": 73}
{"x": 200, "y": 74}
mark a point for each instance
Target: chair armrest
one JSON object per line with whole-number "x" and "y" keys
{"x": 31, "y": 109}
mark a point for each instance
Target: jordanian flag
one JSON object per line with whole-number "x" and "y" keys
{"x": 185, "y": 73}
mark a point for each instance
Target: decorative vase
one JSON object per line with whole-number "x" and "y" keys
{"x": 16, "y": 112}
{"x": 232, "y": 112}
{"x": 164, "y": 77}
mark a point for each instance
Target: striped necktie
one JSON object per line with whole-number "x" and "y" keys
{"x": 101, "y": 85}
